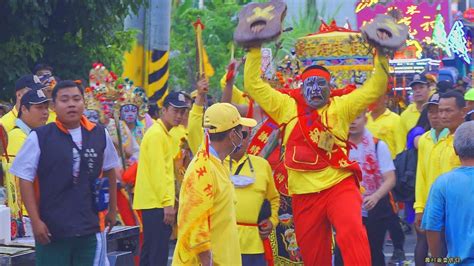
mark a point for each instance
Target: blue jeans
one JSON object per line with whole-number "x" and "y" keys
{"x": 253, "y": 260}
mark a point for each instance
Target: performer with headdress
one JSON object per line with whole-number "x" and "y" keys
{"x": 322, "y": 180}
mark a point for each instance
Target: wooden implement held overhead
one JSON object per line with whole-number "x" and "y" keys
{"x": 260, "y": 23}
{"x": 395, "y": 33}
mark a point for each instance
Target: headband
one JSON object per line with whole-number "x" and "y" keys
{"x": 316, "y": 72}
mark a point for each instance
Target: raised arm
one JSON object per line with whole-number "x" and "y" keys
{"x": 195, "y": 129}
{"x": 280, "y": 107}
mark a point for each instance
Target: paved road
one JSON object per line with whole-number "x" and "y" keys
{"x": 410, "y": 241}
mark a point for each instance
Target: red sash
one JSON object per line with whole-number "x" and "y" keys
{"x": 303, "y": 151}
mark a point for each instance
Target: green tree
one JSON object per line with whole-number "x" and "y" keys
{"x": 220, "y": 20}
{"x": 67, "y": 34}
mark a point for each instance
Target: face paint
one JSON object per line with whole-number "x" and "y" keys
{"x": 129, "y": 113}
{"x": 315, "y": 91}
{"x": 92, "y": 115}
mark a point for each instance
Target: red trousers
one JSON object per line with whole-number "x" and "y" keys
{"x": 339, "y": 207}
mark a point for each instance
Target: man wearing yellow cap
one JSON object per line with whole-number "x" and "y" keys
{"x": 207, "y": 227}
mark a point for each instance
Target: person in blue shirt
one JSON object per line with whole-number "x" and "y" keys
{"x": 448, "y": 218}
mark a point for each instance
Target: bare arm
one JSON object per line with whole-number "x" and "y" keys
{"x": 206, "y": 258}
{"x": 436, "y": 244}
{"x": 229, "y": 81}
{"x": 110, "y": 218}
{"x": 40, "y": 230}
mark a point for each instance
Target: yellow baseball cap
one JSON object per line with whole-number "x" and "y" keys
{"x": 469, "y": 96}
{"x": 221, "y": 117}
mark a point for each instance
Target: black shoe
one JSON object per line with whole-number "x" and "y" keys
{"x": 398, "y": 255}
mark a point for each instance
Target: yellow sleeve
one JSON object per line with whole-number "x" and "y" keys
{"x": 273, "y": 196}
{"x": 280, "y": 107}
{"x": 420, "y": 183}
{"x": 357, "y": 101}
{"x": 237, "y": 95}
{"x": 195, "y": 129}
{"x": 160, "y": 178}
{"x": 195, "y": 204}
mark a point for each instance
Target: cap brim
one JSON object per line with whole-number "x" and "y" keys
{"x": 179, "y": 105}
{"x": 40, "y": 102}
{"x": 417, "y": 82}
{"x": 428, "y": 103}
{"x": 248, "y": 122}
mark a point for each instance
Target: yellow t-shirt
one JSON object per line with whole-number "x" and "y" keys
{"x": 386, "y": 127}
{"x": 433, "y": 161}
{"x": 250, "y": 200}
{"x": 8, "y": 120}
{"x": 16, "y": 139}
{"x": 409, "y": 118}
{"x": 337, "y": 115}
{"x": 206, "y": 215}
{"x": 155, "y": 184}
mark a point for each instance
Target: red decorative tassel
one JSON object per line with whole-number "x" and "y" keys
{"x": 267, "y": 247}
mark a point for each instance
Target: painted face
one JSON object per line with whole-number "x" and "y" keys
{"x": 316, "y": 91}
{"x": 92, "y": 115}
{"x": 129, "y": 113}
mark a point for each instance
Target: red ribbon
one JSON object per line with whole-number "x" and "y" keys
{"x": 267, "y": 247}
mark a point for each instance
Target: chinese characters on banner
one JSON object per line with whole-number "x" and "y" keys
{"x": 419, "y": 16}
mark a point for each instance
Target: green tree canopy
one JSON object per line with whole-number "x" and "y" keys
{"x": 67, "y": 34}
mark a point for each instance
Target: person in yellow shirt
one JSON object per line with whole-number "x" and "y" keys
{"x": 155, "y": 182}
{"x": 253, "y": 181}
{"x": 421, "y": 93}
{"x": 436, "y": 156}
{"x": 385, "y": 125}
{"x": 33, "y": 114}
{"x": 22, "y": 85}
{"x": 315, "y": 140}
{"x": 207, "y": 227}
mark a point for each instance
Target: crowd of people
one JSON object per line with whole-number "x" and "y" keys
{"x": 82, "y": 160}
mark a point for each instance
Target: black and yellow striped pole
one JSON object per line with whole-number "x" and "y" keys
{"x": 147, "y": 63}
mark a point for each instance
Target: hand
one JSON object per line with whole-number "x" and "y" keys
{"x": 41, "y": 232}
{"x": 232, "y": 70}
{"x": 371, "y": 201}
{"x": 418, "y": 218}
{"x": 203, "y": 86}
{"x": 265, "y": 228}
{"x": 170, "y": 215}
{"x": 110, "y": 220}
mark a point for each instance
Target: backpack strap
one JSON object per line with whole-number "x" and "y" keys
{"x": 376, "y": 141}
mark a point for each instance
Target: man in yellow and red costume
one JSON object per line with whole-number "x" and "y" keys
{"x": 323, "y": 181}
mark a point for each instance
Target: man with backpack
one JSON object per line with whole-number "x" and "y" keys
{"x": 378, "y": 178}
